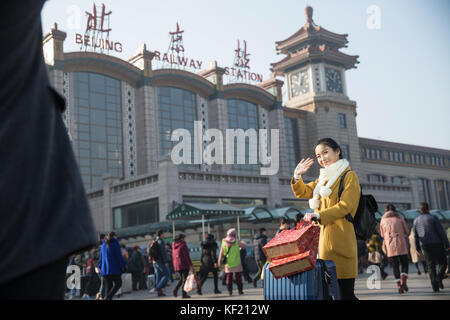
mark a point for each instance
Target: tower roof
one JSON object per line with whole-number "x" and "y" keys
{"x": 313, "y": 42}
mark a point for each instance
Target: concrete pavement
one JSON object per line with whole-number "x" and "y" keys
{"x": 365, "y": 289}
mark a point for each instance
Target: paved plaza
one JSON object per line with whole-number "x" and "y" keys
{"x": 419, "y": 289}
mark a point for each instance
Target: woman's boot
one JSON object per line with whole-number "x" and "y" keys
{"x": 404, "y": 277}
{"x": 399, "y": 286}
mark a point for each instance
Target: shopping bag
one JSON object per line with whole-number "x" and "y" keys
{"x": 191, "y": 283}
{"x": 292, "y": 242}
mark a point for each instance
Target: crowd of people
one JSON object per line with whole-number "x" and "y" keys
{"x": 102, "y": 267}
{"x": 395, "y": 244}
{"x": 426, "y": 243}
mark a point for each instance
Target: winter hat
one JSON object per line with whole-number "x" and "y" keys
{"x": 231, "y": 235}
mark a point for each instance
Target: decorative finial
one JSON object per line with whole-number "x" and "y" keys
{"x": 54, "y": 26}
{"x": 309, "y": 14}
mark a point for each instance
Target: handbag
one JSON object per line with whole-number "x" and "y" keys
{"x": 375, "y": 257}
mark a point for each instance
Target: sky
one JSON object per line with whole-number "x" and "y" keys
{"x": 401, "y": 85}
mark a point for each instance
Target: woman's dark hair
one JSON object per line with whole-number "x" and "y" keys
{"x": 423, "y": 207}
{"x": 109, "y": 237}
{"x": 284, "y": 221}
{"x": 180, "y": 237}
{"x": 160, "y": 232}
{"x": 390, "y": 207}
{"x": 332, "y": 144}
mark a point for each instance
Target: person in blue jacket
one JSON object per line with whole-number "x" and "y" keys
{"x": 111, "y": 264}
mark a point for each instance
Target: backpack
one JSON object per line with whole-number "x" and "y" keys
{"x": 155, "y": 251}
{"x": 364, "y": 221}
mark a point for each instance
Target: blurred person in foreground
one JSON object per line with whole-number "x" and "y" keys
{"x": 43, "y": 199}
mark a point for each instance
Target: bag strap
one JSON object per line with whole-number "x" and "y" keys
{"x": 348, "y": 217}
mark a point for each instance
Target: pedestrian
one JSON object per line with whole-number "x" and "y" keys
{"x": 94, "y": 278}
{"x": 170, "y": 258}
{"x": 243, "y": 254}
{"x": 337, "y": 239}
{"x": 230, "y": 250}
{"x": 135, "y": 267}
{"x": 182, "y": 264}
{"x": 111, "y": 264}
{"x": 297, "y": 219}
{"x": 416, "y": 258}
{"x": 376, "y": 254}
{"x": 394, "y": 231}
{"x": 431, "y": 239}
{"x": 209, "y": 263}
{"x": 160, "y": 263}
{"x": 284, "y": 225}
{"x": 43, "y": 200}
{"x": 259, "y": 241}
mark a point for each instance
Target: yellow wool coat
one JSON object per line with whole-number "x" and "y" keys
{"x": 337, "y": 240}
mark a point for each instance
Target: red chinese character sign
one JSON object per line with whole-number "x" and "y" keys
{"x": 174, "y": 58}
{"x": 240, "y": 71}
{"x": 96, "y": 35}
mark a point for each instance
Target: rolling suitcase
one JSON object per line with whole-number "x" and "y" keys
{"x": 316, "y": 284}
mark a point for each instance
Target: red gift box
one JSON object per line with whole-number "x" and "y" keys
{"x": 291, "y": 242}
{"x": 294, "y": 264}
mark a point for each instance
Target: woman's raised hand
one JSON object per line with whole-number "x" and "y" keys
{"x": 302, "y": 167}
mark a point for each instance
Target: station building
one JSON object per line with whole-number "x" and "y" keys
{"x": 120, "y": 115}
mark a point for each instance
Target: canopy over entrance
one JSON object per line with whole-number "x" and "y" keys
{"x": 195, "y": 210}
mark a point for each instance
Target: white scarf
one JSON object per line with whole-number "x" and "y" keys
{"x": 327, "y": 178}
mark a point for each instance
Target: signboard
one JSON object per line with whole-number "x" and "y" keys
{"x": 96, "y": 35}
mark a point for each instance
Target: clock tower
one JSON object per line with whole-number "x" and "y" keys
{"x": 314, "y": 70}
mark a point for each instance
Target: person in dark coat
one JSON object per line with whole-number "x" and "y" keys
{"x": 111, "y": 264}
{"x": 209, "y": 263}
{"x": 259, "y": 242}
{"x": 182, "y": 263}
{"x": 136, "y": 267}
{"x": 430, "y": 238}
{"x": 43, "y": 199}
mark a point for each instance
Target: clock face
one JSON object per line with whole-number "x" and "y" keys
{"x": 299, "y": 83}
{"x": 334, "y": 81}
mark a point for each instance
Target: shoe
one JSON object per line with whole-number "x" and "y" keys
{"x": 435, "y": 286}
{"x": 441, "y": 285}
{"x": 241, "y": 292}
{"x": 151, "y": 291}
{"x": 160, "y": 293}
{"x": 185, "y": 296}
{"x": 404, "y": 277}
{"x": 199, "y": 292}
{"x": 175, "y": 293}
{"x": 216, "y": 291}
{"x": 86, "y": 297}
{"x": 418, "y": 272}
{"x": 399, "y": 286}
{"x": 384, "y": 276}
{"x": 254, "y": 284}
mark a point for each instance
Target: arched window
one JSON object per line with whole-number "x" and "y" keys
{"x": 243, "y": 115}
{"x": 177, "y": 109}
{"x": 292, "y": 143}
{"x": 97, "y": 142}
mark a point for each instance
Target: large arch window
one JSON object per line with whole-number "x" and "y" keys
{"x": 98, "y": 127}
{"x": 177, "y": 108}
{"x": 243, "y": 115}
{"x": 292, "y": 143}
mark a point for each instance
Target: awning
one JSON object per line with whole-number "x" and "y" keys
{"x": 194, "y": 211}
{"x": 285, "y": 212}
{"x": 258, "y": 213}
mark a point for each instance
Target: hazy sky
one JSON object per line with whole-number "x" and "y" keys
{"x": 401, "y": 85}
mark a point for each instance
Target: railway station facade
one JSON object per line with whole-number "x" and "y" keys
{"x": 120, "y": 115}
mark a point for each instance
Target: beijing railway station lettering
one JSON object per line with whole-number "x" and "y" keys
{"x": 96, "y": 35}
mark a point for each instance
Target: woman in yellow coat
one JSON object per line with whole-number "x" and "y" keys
{"x": 337, "y": 240}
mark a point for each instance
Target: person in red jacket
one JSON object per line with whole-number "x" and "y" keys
{"x": 181, "y": 263}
